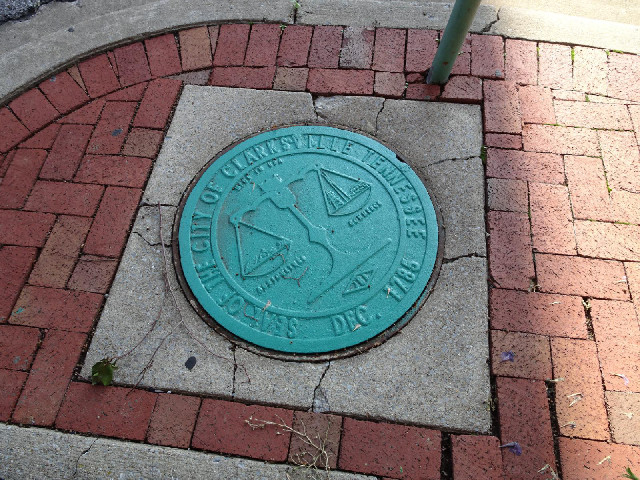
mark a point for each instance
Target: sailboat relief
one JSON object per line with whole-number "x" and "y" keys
{"x": 343, "y": 194}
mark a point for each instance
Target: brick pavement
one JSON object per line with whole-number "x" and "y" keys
{"x": 562, "y": 127}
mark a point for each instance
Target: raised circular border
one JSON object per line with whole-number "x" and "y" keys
{"x": 348, "y": 351}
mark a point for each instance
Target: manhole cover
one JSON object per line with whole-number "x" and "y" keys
{"x": 307, "y": 240}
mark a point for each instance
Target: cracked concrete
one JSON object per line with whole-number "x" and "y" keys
{"x": 42, "y": 454}
{"x": 432, "y": 366}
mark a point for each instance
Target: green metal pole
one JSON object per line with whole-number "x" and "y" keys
{"x": 451, "y": 41}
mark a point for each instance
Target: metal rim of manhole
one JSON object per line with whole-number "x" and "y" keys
{"x": 307, "y": 243}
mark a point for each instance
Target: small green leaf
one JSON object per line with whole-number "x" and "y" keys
{"x": 102, "y": 372}
{"x": 630, "y": 474}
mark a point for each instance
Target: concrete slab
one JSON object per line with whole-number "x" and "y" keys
{"x": 61, "y": 33}
{"x": 190, "y": 137}
{"x": 382, "y": 13}
{"x": 465, "y": 234}
{"x": 441, "y": 355}
{"x": 207, "y": 120}
{"x": 424, "y": 132}
{"x": 138, "y": 310}
{"x": 35, "y": 453}
{"x": 517, "y": 22}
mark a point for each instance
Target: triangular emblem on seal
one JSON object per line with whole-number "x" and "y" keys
{"x": 261, "y": 252}
{"x": 343, "y": 194}
{"x": 360, "y": 282}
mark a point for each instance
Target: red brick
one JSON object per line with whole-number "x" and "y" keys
{"x": 624, "y": 70}
{"x": 13, "y": 132}
{"x": 162, "y": 54}
{"x": 143, "y": 143}
{"x": 521, "y": 61}
{"x": 111, "y": 411}
{"x": 17, "y": 346}
{"x": 507, "y": 195}
{"x": 98, "y": 76}
{"x": 74, "y": 73}
{"x": 325, "y": 47}
{"x": 555, "y": 68}
{"x": 294, "y": 46}
{"x": 44, "y": 138}
{"x": 292, "y": 79}
{"x": 114, "y": 170}
{"x": 589, "y": 460}
{"x": 93, "y": 274}
{"x": 213, "y": 38}
{"x": 569, "y": 95}
{"x": 12, "y": 383}
{"x": 593, "y": 115}
{"x": 421, "y": 49}
{"x": 343, "y": 82}
{"x": 64, "y": 198}
{"x": 536, "y": 104}
{"x": 524, "y": 418}
{"x": 86, "y": 115}
{"x": 634, "y": 110}
{"x": 60, "y": 253}
{"x": 531, "y": 355}
{"x": 463, "y": 89}
{"x": 66, "y": 153}
{"x": 389, "y": 84}
{"x": 173, "y": 420}
{"x": 357, "y": 47}
{"x": 322, "y": 431}
{"x": 388, "y": 51}
{"x": 20, "y": 177}
{"x": 583, "y": 415}
{"x": 133, "y": 66}
{"x": 243, "y": 77}
{"x": 487, "y": 56}
{"x": 476, "y": 457}
{"x": 556, "y": 139}
{"x": 422, "y": 91}
{"x": 551, "y": 219}
{"x": 415, "y": 78}
{"x": 588, "y": 188}
{"x": 195, "y": 48}
{"x": 621, "y": 160}
{"x": 33, "y": 109}
{"x": 54, "y": 308}
{"x": 263, "y": 45}
{"x": 63, "y": 92}
{"x": 503, "y": 140}
{"x": 405, "y": 452}
{"x": 544, "y": 314}
{"x": 608, "y": 240}
{"x": 109, "y": 230}
{"x": 462, "y": 63}
{"x": 511, "y": 264}
{"x": 157, "y": 103}
{"x": 617, "y": 332}
{"x": 232, "y": 44}
{"x": 112, "y": 61}
{"x": 501, "y": 107}
{"x": 49, "y": 378}
{"x": 626, "y": 206}
{"x": 224, "y": 427}
{"x": 130, "y": 94}
{"x": 28, "y": 229}
{"x": 112, "y": 128}
{"x": 624, "y": 418}
{"x": 590, "y": 70}
{"x": 633, "y": 277}
{"x": 581, "y": 276}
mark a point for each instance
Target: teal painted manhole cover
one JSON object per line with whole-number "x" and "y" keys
{"x": 307, "y": 240}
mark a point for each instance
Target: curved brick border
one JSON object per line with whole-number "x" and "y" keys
{"x": 76, "y": 151}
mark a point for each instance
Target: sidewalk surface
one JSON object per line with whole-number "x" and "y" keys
{"x": 561, "y": 129}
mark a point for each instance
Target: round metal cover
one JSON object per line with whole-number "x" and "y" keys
{"x": 307, "y": 240}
